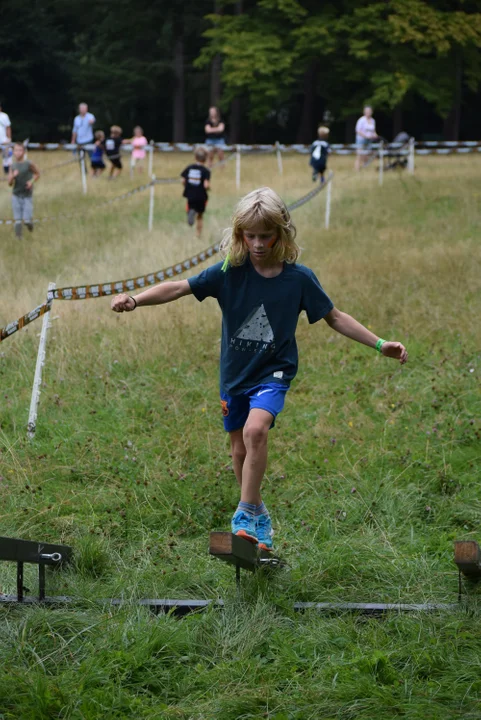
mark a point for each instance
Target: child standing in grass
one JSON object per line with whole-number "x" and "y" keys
{"x": 22, "y": 175}
{"x": 112, "y": 148}
{"x": 319, "y": 153}
{"x": 261, "y": 290}
{"x": 196, "y": 179}
{"x": 97, "y": 158}
{"x": 139, "y": 143}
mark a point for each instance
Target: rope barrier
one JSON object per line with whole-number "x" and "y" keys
{"x": 16, "y": 325}
{"x": 83, "y": 292}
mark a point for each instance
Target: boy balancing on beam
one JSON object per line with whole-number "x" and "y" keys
{"x": 261, "y": 291}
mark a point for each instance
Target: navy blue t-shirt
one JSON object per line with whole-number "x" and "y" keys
{"x": 259, "y": 320}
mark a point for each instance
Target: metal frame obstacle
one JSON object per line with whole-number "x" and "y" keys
{"x": 229, "y": 549}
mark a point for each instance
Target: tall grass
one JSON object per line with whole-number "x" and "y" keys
{"x": 373, "y": 470}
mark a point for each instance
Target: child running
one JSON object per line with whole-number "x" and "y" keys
{"x": 319, "y": 153}
{"x": 97, "y": 164}
{"x": 196, "y": 179}
{"x": 112, "y": 148}
{"x": 22, "y": 175}
{"x": 261, "y": 290}
{"x": 138, "y": 142}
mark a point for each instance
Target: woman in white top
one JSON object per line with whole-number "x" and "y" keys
{"x": 365, "y": 134}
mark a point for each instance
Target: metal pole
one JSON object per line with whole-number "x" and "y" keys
{"x": 412, "y": 143}
{"x": 328, "y": 203}
{"x": 37, "y": 381}
{"x": 279, "y": 158}
{"x": 381, "y": 162}
{"x": 238, "y": 167}
{"x": 83, "y": 172}
{"x": 151, "y": 205}
{"x": 151, "y": 158}
{"x": 132, "y": 163}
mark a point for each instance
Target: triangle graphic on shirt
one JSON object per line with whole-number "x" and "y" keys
{"x": 256, "y": 327}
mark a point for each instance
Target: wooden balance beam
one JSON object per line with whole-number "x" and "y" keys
{"x": 467, "y": 556}
{"x": 241, "y": 553}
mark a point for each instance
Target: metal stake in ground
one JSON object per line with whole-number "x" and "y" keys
{"x": 279, "y": 158}
{"x": 37, "y": 381}
{"x": 151, "y": 204}
{"x": 328, "y": 202}
{"x": 381, "y": 162}
{"x": 151, "y": 158}
{"x": 238, "y": 167}
{"x": 83, "y": 171}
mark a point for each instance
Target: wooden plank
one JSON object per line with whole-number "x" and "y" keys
{"x": 467, "y": 556}
{"x": 30, "y": 551}
{"x": 233, "y": 550}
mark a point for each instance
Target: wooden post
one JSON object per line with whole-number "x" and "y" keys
{"x": 381, "y": 162}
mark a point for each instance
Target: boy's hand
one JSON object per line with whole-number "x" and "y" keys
{"x": 395, "y": 350}
{"x": 29, "y": 184}
{"x": 14, "y": 173}
{"x": 122, "y": 303}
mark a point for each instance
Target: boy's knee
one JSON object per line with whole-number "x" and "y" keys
{"x": 255, "y": 433}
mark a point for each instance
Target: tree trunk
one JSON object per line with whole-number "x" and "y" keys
{"x": 397, "y": 121}
{"x": 453, "y": 120}
{"x": 215, "y": 68}
{"x": 350, "y": 129}
{"x": 306, "y": 129}
{"x": 235, "y": 108}
{"x": 178, "y": 115}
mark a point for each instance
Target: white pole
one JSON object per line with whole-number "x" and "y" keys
{"x": 37, "y": 381}
{"x": 151, "y": 205}
{"x": 381, "y": 162}
{"x": 279, "y": 158}
{"x": 238, "y": 167}
{"x": 412, "y": 143}
{"x": 151, "y": 158}
{"x": 328, "y": 203}
{"x": 83, "y": 172}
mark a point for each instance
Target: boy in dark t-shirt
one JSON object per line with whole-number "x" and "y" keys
{"x": 112, "y": 149}
{"x": 196, "y": 179}
{"x": 319, "y": 153}
{"x": 261, "y": 291}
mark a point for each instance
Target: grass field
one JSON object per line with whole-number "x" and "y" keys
{"x": 373, "y": 471}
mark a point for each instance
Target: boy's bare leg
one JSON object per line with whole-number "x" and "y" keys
{"x": 238, "y": 451}
{"x": 255, "y": 435}
{"x": 200, "y": 224}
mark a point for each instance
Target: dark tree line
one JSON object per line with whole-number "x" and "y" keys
{"x": 275, "y": 67}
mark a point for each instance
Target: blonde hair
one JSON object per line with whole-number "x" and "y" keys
{"x": 323, "y": 131}
{"x": 261, "y": 207}
{"x": 200, "y": 154}
{"x": 116, "y": 129}
{"x": 99, "y": 135}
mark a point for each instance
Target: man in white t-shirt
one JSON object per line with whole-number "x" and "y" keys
{"x": 365, "y": 134}
{"x": 5, "y": 138}
{"x": 82, "y": 131}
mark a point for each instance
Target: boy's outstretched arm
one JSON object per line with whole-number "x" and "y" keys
{"x": 351, "y": 328}
{"x": 158, "y": 295}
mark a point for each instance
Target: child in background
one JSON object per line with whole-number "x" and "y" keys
{"x": 21, "y": 176}
{"x": 196, "y": 179}
{"x": 96, "y": 159}
{"x": 138, "y": 142}
{"x": 112, "y": 148}
{"x": 261, "y": 290}
{"x": 319, "y": 153}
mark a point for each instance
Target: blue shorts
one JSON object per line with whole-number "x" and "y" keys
{"x": 236, "y": 408}
{"x": 216, "y": 142}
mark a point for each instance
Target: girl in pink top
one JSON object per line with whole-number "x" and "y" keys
{"x": 138, "y": 142}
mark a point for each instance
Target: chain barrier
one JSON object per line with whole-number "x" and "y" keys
{"x": 83, "y": 292}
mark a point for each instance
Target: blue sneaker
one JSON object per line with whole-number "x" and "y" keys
{"x": 264, "y": 532}
{"x": 244, "y": 526}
